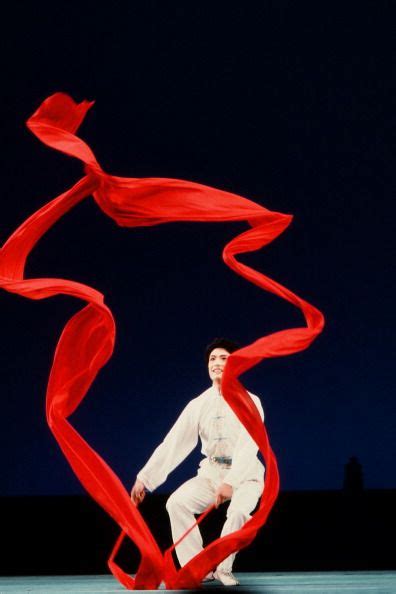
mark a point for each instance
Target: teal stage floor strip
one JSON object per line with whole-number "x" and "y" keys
{"x": 373, "y": 582}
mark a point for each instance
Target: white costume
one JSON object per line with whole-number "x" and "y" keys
{"x": 230, "y": 457}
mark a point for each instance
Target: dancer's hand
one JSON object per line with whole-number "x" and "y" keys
{"x": 223, "y": 493}
{"x": 138, "y": 492}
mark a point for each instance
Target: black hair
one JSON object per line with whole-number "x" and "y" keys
{"x": 220, "y": 343}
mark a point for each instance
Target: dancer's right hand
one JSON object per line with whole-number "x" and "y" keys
{"x": 138, "y": 492}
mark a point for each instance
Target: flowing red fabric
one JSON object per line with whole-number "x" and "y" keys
{"x": 87, "y": 340}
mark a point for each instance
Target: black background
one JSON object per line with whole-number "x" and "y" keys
{"x": 289, "y": 104}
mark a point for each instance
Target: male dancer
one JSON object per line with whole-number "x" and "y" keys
{"x": 229, "y": 471}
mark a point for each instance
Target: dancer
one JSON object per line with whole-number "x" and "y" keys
{"x": 230, "y": 470}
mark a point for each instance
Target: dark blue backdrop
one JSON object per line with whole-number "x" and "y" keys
{"x": 287, "y": 103}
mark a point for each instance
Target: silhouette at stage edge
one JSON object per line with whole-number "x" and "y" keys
{"x": 353, "y": 476}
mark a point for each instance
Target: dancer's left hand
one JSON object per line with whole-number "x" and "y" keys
{"x": 223, "y": 493}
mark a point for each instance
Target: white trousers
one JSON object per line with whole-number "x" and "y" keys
{"x": 193, "y": 497}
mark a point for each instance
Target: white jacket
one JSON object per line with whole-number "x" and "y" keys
{"x": 209, "y": 417}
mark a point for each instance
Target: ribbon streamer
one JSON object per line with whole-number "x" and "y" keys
{"x": 87, "y": 341}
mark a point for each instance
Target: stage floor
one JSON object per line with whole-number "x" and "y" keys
{"x": 373, "y": 582}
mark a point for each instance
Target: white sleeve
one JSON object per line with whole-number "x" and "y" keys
{"x": 244, "y": 459}
{"x": 178, "y": 443}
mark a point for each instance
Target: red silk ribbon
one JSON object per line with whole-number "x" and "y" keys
{"x": 87, "y": 340}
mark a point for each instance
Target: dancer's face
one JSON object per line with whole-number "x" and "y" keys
{"x": 216, "y": 364}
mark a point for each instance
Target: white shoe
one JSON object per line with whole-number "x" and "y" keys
{"x": 225, "y": 577}
{"x": 209, "y": 577}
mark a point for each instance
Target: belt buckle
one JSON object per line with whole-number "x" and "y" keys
{"x": 222, "y": 461}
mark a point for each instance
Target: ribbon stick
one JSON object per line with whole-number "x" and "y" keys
{"x": 87, "y": 341}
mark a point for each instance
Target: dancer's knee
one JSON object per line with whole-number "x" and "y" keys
{"x": 237, "y": 516}
{"x": 173, "y": 503}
